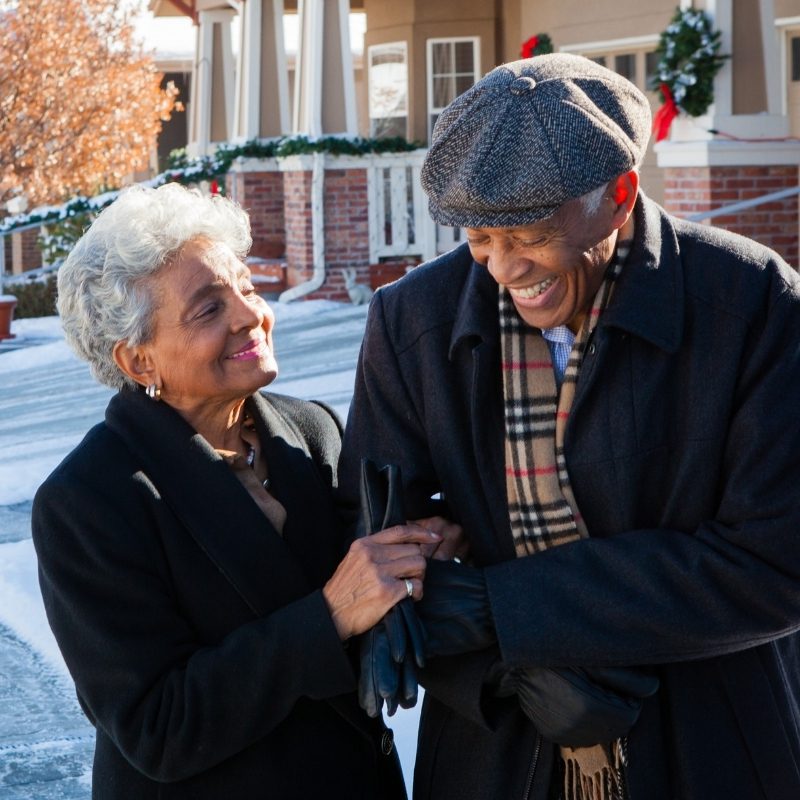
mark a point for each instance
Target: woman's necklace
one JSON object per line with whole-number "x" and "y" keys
{"x": 251, "y": 462}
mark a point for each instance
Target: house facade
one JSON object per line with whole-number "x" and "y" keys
{"x": 271, "y": 68}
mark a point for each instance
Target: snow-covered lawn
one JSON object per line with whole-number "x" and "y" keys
{"x": 47, "y": 402}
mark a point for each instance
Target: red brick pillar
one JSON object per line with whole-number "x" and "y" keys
{"x": 345, "y": 216}
{"x": 257, "y": 185}
{"x": 346, "y": 229}
{"x": 692, "y": 190}
{"x": 25, "y": 253}
{"x": 299, "y": 231}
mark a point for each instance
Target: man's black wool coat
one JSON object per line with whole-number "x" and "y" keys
{"x": 683, "y": 448}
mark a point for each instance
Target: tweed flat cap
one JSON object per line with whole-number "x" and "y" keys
{"x": 529, "y": 136}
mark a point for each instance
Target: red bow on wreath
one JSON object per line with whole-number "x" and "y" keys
{"x": 529, "y": 47}
{"x": 662, "y": 120}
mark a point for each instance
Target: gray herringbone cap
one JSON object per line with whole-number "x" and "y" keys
{"x": 529, "y": 136}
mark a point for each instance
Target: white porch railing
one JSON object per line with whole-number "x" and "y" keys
{"x": 399, "y": 224}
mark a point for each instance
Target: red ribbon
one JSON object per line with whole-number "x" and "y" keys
{"x": 529, "y": 47}
{"x": 662, "y": 120}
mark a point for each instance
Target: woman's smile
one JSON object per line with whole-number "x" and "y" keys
{"x": 253, "y": 349}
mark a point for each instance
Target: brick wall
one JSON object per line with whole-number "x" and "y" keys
{"x": 689, "y": 190}
{"x": 346, "y": 230}
{"x": 297, "y": 213}
{"x": 261, "y": 195}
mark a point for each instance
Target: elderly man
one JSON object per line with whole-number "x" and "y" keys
{"x": 606, "y": 398}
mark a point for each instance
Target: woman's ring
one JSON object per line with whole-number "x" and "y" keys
{"x": 409, "y": 587}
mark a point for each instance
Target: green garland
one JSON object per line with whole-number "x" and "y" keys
{"x": 184, "y": 170}
{"x": 689, "y": 60}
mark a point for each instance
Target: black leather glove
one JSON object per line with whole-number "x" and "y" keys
{"x": 454, "y": 609}
{"x": 393, "y": 649}
{"x": 577, "y": 706}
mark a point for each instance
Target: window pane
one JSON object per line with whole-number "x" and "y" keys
{"x": 625, "y": 65}
{"x": 601, "y": 60}
{"x": 387, "y": 127}
{"x": 651, "y": 60}
{"x": 465, "y": 57}
{"x": 443, "y": 91}
{"x": 796, "y": 58}
{"x": 442, "y": 58}
{"x": 451, "y": 71}
{"x": 388, "y": 89}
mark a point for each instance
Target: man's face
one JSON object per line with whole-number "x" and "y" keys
{"x": 552, "y": 268}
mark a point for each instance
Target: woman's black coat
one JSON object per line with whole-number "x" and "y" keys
{"x": 198, "y": 638}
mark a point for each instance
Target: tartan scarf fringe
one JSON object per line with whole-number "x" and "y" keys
{"x": 594, "y": 773}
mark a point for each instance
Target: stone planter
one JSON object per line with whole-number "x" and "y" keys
{"x": 7, "y": 305}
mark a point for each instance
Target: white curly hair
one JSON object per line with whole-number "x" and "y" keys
{"x": 104, "y": 291}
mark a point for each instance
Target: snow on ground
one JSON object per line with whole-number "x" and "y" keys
{"x": 48, "y": 400}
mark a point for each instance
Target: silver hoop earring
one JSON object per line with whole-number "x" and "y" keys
{"x": 153, "y": 392}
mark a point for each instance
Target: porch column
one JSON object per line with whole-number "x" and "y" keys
{"x": 740, "y": 149}
{"x": 212, "y": 85}
{"x": 262, "y": 84}
{"x": 325, "y": 85}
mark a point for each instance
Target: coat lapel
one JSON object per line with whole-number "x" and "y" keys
{"x": 312, "y": 531}
{"x": 209, "y": 501}
{"x": 477, "y": 328}
{"x": 264, "y": 568}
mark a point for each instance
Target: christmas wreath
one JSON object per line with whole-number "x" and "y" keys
{"x": 538, "y": 45}
{"x": 689, "y": 58}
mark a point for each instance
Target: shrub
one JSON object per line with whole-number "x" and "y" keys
{"x": 35, "y": 298}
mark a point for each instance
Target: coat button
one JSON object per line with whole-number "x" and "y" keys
{"x": 387, "y": 742}
{"x": 592, "y": 349}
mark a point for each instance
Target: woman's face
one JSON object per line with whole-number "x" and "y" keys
{"x": 213, "y": 334}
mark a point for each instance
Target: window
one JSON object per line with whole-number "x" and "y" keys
{"x": 651, "y": 60}
{"x": 452, "y": 68}
{"x": 795, "y": 42}
{"x": 625, "y": 65}
{"x": 638, "y": 65}
{"x": 388, "y": 89}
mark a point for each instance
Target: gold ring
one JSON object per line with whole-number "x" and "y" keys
{"x": 409, "y": 587}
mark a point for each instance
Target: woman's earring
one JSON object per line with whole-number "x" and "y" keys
{"x": 153, "y": 392}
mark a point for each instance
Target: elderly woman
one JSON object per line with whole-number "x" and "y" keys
{"x": 188, "y": 547}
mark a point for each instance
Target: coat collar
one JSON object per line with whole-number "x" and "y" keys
{"x": 204, "y": 494}
{"x": 477, "y": 316}
{"x": 647, "y": 302}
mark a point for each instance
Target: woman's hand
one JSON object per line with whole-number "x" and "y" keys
{"x": 372, "y": 577}
{"x": 453, "y": 543}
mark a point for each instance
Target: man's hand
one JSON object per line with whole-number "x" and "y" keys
{"x": 455, "y": 610}
{"x": 453, "y": 544}
{"x": 577, "y": 707}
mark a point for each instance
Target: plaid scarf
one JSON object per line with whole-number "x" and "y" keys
{"x": 541, "y": 505}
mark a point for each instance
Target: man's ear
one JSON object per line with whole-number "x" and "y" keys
{"x": 136, "y": 363}
{"x": 624, "y": 192}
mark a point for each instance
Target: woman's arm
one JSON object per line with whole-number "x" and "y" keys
{"x": 173, "y": 702}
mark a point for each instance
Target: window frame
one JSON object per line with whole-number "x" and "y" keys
{"x": 429, "y": 76}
